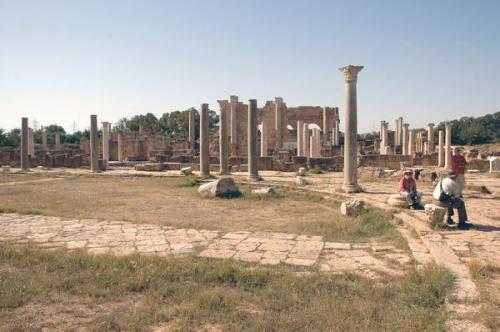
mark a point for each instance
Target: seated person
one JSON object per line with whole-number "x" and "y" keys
{"x": 447, "y": 194}
{"x": 408, "y": 189}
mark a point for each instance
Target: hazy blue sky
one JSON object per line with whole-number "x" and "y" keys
{"x": 61, "y": 61}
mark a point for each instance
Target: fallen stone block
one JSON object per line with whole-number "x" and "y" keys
{"x": 435, "y": 214}
{"x": 187, "y": 170}
{"x": 222, "y": 187}
{"x": 352, "y": 208}
{"x": 302, "y": 171}
{"x": 301, "y": 181}
{"x": 154, "y": 167}
{"x": 5, "y": 169}
{"x": 398, "y": 201}
{"x": 263, "y": 191}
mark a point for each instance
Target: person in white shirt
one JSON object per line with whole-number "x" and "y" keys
{"x": 447, "y": 194}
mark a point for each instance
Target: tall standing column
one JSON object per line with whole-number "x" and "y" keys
{"x": 234, "y": 125}
{"x": 312, "y": 144}
{"x": 94, "y": 145}
{"x": 120, "y": 146}
{"x": 253, "y": 170}
{"x": 44, "y": 140}
{"x": 263, "y": 139}
{"x": 204, "y": 144}
{"x": 327, "y": 125}
{"x": 31, "y": 142}
{"x": 440, "y": 149}
{"x": 351, "y": 129}
{"x": 279, "y": 122}
{"x": 300, "y": 140}
{"x": 106, "y": 128}
{"x": 306, "y": 139}
{"x": 191, "y": 128}
{"x": 384, "y": 136}
{"x": 430, "y": 138}
{"x": 58, "y": 141}
{"x": 25, "y": 163}
{"x": 411, "y": 143}
{"x": 447, "y": 149}
{"x": 405, "y": 139}
{"x": 223, "y": 143}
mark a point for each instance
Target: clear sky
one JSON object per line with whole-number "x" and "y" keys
{"x": 429, "y": 61}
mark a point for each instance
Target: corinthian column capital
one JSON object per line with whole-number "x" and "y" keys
{"x": 351, "y": 72}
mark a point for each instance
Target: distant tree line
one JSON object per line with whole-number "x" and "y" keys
{"x": 470, "y": 131}
{"x": 173, "y": 124}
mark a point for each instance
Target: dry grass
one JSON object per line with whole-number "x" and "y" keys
{"x": 70, "y": 291}
{"x": 487, "y": 277}
{"x": 174, "y": 202}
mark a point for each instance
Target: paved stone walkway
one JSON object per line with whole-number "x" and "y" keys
{"x": 269, "y": 248}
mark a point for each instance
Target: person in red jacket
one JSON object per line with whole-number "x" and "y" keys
{"x": 408, "y": 189}
{"x": 458, "y": 165}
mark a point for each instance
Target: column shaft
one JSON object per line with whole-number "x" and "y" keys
{"x": 300, "y": 140}
{"x": 120, "y": 146}
{"x": 327, "y": 125}
{"x": 25, "y": 163}
{"x": 253, "y": 171}
{"x": 204, "y": 144}
{"x": 279, "y": 122}
{"x": 405, "y": 139}
{"x": 234, "y": 125}
{"x": 44, "y": 140}
{"x": 440, "y": 149}
{"x": 191, "y": 129}
{"x": 223, "y": 143}
{"x": 263, "y": 139}
{"x": 307, "y": 144}
{"x": 94, "y": 145}
{"x": 447, "y": 149}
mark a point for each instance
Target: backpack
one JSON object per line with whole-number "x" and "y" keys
{"x": 444, "y": 197}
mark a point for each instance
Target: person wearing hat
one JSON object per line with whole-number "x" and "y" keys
{"x": 447, "y": 194}
{"x": 408, "y": 189}
{"x": 458, "y": 164}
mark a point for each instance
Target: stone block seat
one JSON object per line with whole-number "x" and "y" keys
{"x": 397, "y": 201}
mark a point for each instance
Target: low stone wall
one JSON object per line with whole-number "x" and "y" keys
{"x": 389, "y": 161}
{"x": 479, "y": 164}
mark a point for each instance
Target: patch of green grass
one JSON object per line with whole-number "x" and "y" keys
{"x": 374, "y": 223}
{"x": 188, "y": 293}
{"x": 315, "y": 171}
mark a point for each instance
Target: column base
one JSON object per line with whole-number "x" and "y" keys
{"x": 254, "y": 178}
{"x": 351, "y": 188}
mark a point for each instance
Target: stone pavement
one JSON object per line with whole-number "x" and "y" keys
{"x": 269, "y": 248}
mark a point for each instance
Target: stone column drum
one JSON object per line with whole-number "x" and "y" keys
{"x": 279, "y": 122}
{"x": 223, "y": 143}
{"x": 336, "y": 135}
{"x": 106, "y": 131}
{"x": 263, "y": 139}
{"x": 300, "y": 139}
{"x": 351, "y": 129}
{"x": 440, "y": 148}
{"x": 405, "y": 139}
{"x": 306, "y": 139}
{"x": 94, "y": 145}
{"x": 447, "y": 148}
{"x": 25, "y": 162}
{"x": 204, "y": 144}
{"x": 253, "y": 161}
{"x": 234, "y": 125}
{"x": 191, "y": 129}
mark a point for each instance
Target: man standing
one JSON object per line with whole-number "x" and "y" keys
{"x": 458, "y": 164}
{"x": 447, "y": 194}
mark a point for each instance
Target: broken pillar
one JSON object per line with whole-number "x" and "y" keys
{"x": 223, "y": 143}
{"x": 25, "y": 162}
{"x": 300, "y": 140}
{"x": 106, "y": 132}
{"x": 440, "y": 148}
{"x": 306, "y": 139}
{"x": 430, "y": 138}
{"x": 263, "y": 139}
{"x": 253, "y": 161}
{"x": 279, "y": 122}
{"x": 191, "y": 129}
{"x": 234, "y": 125}
{"x": 404, "y": 143}
{"x": 351, "y": 129}
{"x": 94, "y": 145}
{"x": 204, "y": 142}
{"x": 447, "y": 147}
